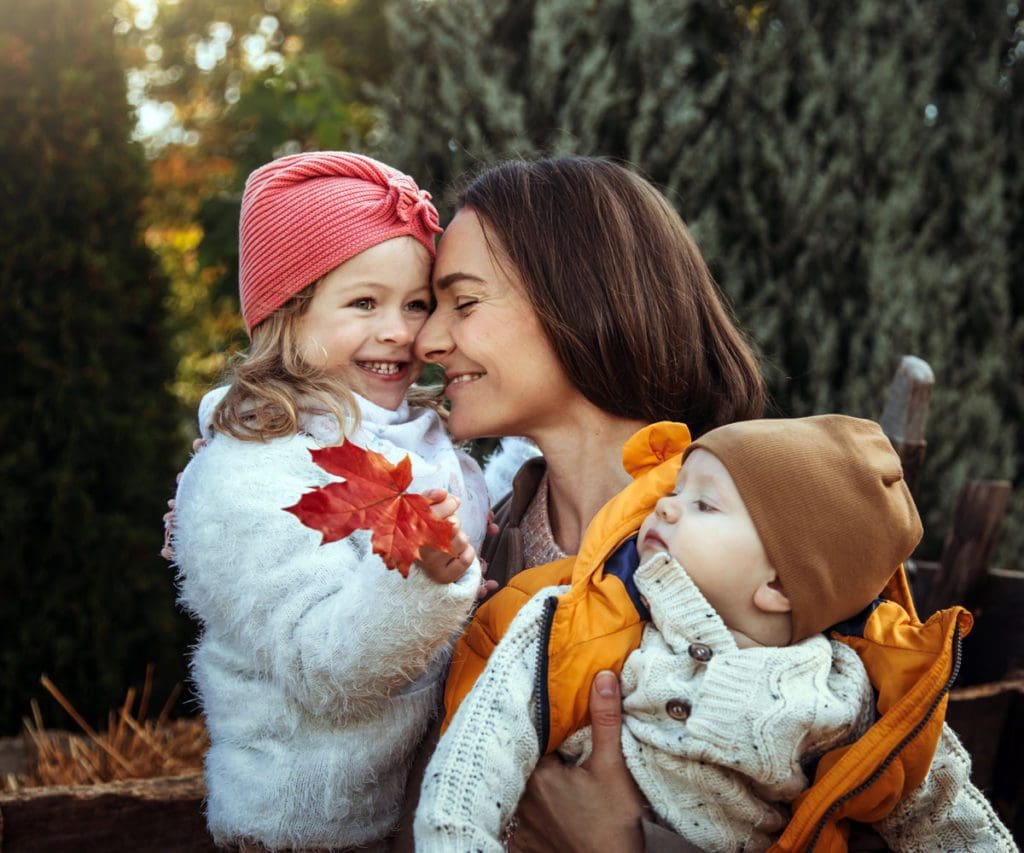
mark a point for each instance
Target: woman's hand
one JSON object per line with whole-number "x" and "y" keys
{"x": 441, "y": 566}
{"x": 594, "y": 807}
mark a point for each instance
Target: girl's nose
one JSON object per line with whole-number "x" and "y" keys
{"x": 396, "y": 330}
{"x": 433, "y": 342}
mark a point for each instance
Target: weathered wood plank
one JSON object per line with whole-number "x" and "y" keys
{"x": 906, "y": 414}
{"x": 978, "y": 516}
{"x": 980, "y": 716}
{"x": 135, "y": 816}
{"x": 994, "y": 650}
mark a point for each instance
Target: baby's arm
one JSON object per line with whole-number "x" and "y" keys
{"x": 477, "y": 774}
{"x": 947, "y": 812}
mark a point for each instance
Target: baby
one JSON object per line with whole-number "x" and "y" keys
{"x": 775, "y": 531}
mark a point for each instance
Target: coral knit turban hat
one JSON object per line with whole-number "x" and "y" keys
{"x": 828, "y": 499}
{"x": 304, "y": 215}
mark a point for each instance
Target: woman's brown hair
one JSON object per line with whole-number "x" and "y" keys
{"x": 620, "y": 289}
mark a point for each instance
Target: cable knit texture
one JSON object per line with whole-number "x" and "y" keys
{"x": 946, "y": 812}
{"x": 716, "y": 737}
{"x": 318, "y": 669}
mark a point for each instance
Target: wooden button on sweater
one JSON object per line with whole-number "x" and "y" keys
{"x": 678, "y": 709}
{"x": 701, "y": 652}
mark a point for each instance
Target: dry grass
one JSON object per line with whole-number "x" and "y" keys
{"x": 132, "y": 747}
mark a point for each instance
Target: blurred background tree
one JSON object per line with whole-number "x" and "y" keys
{"x": 852, "y": 172}
{"x": 224, "y": 87}
{"x": 87, "y": 423}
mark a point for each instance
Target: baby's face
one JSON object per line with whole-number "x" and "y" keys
{"x": 705, "y": 525}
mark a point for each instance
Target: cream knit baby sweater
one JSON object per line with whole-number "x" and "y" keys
{"x": 716, "y": 737}
{"x": 318, "y": 669}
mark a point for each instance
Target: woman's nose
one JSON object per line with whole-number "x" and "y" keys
{"x": 433, "y": 342}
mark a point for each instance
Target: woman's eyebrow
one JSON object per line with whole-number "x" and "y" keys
{"x": 446, "y": 281}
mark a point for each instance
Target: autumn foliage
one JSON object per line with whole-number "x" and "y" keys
{"x": 372, "y": 497}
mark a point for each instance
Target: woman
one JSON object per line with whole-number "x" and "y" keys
{"x": 573, "y": 308}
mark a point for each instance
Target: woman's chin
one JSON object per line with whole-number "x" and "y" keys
{"x": 464, "y": 426}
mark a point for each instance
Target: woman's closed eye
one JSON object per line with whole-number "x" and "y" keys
{"x": 463, "y": 304}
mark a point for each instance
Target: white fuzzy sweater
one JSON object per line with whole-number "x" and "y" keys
{"x": 318, "y": 669}
{"x": 716, "y": 737}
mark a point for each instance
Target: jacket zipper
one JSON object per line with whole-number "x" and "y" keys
{"x": 542, "y": 723}
{"x": 898, "y": 748}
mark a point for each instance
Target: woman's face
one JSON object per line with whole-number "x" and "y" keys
{"x": 501, "y": 374}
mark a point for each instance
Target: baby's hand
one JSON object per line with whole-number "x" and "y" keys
{"x": 441, "y": 566}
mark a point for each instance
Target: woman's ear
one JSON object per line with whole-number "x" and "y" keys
{"x": 770, "y": 598}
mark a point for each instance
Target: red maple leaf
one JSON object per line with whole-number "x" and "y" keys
{"x": 373, "y": 497}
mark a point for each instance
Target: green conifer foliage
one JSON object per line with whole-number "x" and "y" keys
{"x": 476, "y": 82}
{"x": 848, "y": 169}
{"x": 859, "y": 212}
{"x": 88, "y": 449}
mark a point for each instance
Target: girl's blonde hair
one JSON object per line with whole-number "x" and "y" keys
{"x": 272, "y": 384}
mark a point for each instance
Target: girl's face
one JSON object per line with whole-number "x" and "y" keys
{"x": 501, "y": 374}
{"x": 364, "y": 316}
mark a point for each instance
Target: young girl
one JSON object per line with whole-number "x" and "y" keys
{"x": 318, "y": 669}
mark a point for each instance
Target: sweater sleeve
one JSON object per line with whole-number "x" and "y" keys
{"x": 946, "y": 812}
{"x": 329, "y": 624}
{"x": 478, "y": 772}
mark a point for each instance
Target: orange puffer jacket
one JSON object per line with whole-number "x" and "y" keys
{"x": 598, "y": 622}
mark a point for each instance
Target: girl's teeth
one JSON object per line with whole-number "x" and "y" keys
{"x": 385, "y": 367}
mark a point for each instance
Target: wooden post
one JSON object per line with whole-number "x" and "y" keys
{"x": 906, "y": 413}
{"x": 965, "y": 557}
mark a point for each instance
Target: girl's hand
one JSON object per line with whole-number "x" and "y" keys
{"x": 441, "y": 566}
{"x": 167, "y": 552}
{"x": 486, "y": 586}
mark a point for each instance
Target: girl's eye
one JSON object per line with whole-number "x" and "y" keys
{"x": 363, "y": 304}
{"x": 418, "y": 305}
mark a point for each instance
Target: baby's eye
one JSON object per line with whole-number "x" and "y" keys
{"x": 364, "y": 304}
{"x": 704, "y": 506}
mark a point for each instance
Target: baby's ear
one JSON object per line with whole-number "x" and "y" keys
{"x": 770, "y": 598}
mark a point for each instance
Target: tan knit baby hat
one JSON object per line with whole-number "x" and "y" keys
{"x": 828, "y": 499}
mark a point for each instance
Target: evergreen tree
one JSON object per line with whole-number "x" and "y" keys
{"x": 476, "y": 82}
{"x": 87, "y": 425}
{"x": 849, "y": 171}
{"x": 859, "y": 212}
